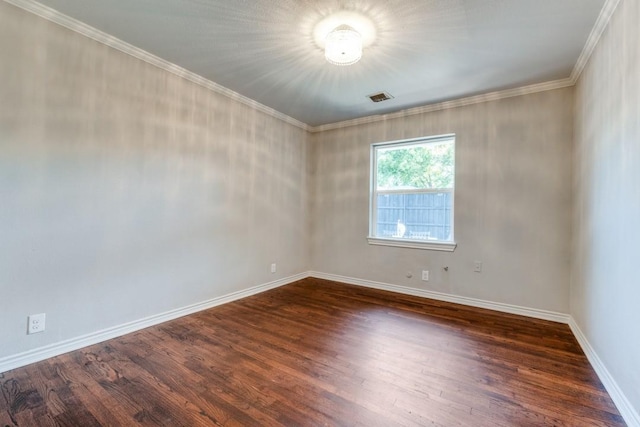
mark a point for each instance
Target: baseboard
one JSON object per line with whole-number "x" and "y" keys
{"x": 56, "y": 349}
{"x": 627, "y": 411}
{"x": 473, "y": 302}
{"x": 630, "y": 415}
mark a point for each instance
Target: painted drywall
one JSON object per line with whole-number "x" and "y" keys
{"x": 126, "y": 191}
{"x": 512, "y": 202}
{"x": 605, "y": 286}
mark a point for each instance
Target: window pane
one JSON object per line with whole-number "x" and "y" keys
{"x": 412, "y": 196}
{"x": 415, "y": 216}
{"x": 416, "y": 166}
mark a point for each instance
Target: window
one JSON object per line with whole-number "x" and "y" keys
{"x": 412, "y": 188}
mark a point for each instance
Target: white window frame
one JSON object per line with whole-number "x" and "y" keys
{"x": 437, "y": 245}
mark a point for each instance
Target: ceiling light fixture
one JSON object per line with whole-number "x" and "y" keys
{"x": 343, "y": 46}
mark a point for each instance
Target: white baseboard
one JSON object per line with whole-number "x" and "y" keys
{"x": 56, "y": 349}
{"x": 473, "y": 302}
{"x": 630, "y": 415}
{"x": 627, "y": 411}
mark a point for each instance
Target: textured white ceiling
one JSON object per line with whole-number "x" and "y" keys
{"x": 425, "y": 51}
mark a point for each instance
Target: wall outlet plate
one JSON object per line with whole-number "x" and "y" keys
{"x": 36, "y": 323}
{"x": 273, "y": 267}
{"x": 425, "y": 275}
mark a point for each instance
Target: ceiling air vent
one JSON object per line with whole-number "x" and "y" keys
{"x": 379, "y": 97}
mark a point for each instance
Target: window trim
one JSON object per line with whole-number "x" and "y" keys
{"x": 436, "y": 245}
{"x": 413, "y": 244}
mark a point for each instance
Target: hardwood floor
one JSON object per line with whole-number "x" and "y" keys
{"x": 319, "y": 353}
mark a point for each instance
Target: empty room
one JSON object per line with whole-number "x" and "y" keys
{"x": 319, "y": 213}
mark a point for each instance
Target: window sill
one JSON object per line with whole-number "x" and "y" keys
{"x": 413, "y": 244}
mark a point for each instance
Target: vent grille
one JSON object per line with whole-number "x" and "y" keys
{"x": 379, "y": 97}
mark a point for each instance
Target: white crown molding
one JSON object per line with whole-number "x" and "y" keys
{"x": 598, "y": 29}
{"x": 461, "y": 102}
{"x": 472, "y": 302}
{"x": 56, "y": 349}
{"x": 104, "y": 38}
{"x": 631, "y": 417}
{"x": 596, "y": 32}
{"x": 99, "y": 36}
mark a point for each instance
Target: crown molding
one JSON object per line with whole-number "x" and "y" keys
{"x": 596, "y": 32}
{"x": 455, "y": 103}
{"x": 115, "y": 43}
{"x": 104, "y": 38}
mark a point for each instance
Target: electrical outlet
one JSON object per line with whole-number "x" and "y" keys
{"x": 477, "y": 266}
{"x": 273, "y": 267}
{"x": 425, "y": 275}
{"x": 35, "y": 323}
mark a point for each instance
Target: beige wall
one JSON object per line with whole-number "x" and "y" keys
{"x": 512, "y": 202}
{"x": 126, "y": 191}
{"x": 605, "y": 290}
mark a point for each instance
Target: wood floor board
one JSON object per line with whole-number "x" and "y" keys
{"x": 320, "y": 353}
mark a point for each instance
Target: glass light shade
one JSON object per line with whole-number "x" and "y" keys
{"x": 343, "y": 46}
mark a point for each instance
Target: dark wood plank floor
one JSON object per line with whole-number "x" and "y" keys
{"x": 319, "y": 353}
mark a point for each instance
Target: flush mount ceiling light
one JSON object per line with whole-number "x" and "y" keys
{"x": 343, "y": 35}
{"x": 343, "y": 46}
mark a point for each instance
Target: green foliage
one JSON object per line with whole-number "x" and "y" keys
{"x": 418, "y": 166}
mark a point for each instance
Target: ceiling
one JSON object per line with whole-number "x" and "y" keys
{"x": 423, "y": 52}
